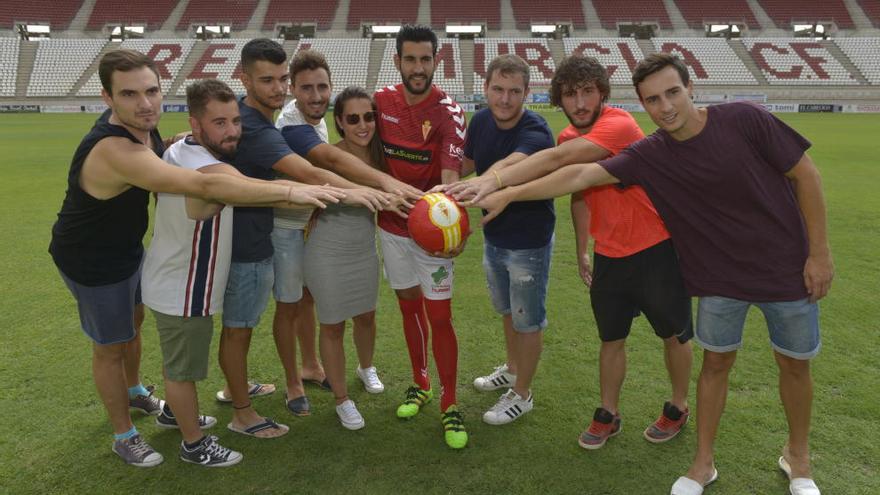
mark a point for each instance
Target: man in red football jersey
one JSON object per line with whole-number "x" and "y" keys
{"x": 422, "y": 130}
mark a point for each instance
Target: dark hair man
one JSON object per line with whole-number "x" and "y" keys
{"x": 744, "y": 205}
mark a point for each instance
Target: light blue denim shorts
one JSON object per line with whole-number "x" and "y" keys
{"x": 793, "y": 325}
{"x": 289, "y": 247}
{"x": 517, "y": 281}
{"x": 247, "y": 293}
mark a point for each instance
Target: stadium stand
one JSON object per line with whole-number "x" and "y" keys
{"x": 300, "y": 11}
{"x": 871, "y": 8}
{"x": 710, "y": 60}
{"x": 618, "y": 55}
{"x": 467, "y": 12}
{"x": 60, "y": 63}
{"x": 150, "y": 13}
{"x": 698, "y": 13}
{"x": 787, "y": 12}
{"x": 448, "y": 73}
{"x": 534, "y": 51}
{"x": 169, "y": 56}
{"x": 235, "y": 13}
{"x": 612, "y": 12}
{"x": 56, "y": 13}
{"x": 9, "y": 65}
{"x": 793, "y": 62}
{"x": 528, "y": 12}
{"x": 863, "y": 53}
{"x": 348, "y": 59}
{"x": 220, "y": 60}
{"x": 377, "y": 11}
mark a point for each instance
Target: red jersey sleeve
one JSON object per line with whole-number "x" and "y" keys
{"x": 452, "y": 136}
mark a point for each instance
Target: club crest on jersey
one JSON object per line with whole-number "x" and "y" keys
{"x": 426, "y": 129}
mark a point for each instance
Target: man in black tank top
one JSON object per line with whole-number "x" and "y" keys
{"x": 97, "y": 240}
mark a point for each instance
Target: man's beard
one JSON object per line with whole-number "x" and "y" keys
{"x": 412, "y": 90}
{"x": 216, "y": 148}
{"x": 595, "y": 116}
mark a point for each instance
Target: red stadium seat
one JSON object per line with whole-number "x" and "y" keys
{"x": 151, "y": 13}
{"x": 466, "y": 11}
{"x": 235, "y": 13}
{"x": 698, "y": 13}
{"x": 377, "y": 11}
{"x": 787, "y": 12}
{"x": 528, "y": 12}
{"x": 300, "y": 11}
{"x": 612, "y": 12}
{"x": 57, "y": 13}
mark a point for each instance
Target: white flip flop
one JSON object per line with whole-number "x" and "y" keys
{"x": 798, "y": 486}
{"x": 687, "y": 486}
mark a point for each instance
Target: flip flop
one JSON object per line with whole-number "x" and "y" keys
{"x": 252, "y": 430}
{"x": 797, "y": 486}
{"x": 325, "y": 385}
{"x": 688, "y": 486}
{"x": 299, "y": 406}
{"x": 255, "y": 390}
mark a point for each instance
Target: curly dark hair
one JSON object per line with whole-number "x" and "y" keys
{"x": 575, "y": 71}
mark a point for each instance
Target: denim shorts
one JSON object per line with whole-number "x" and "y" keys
{"x": 793, "y": 325}
{"x": 106, "y": 312}
{"x": 517, "y": 281}
{"x": 247, "y": 293}
{"x": 288, "y": 264}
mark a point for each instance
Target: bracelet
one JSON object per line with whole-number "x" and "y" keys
{"x": 498, "y": 178}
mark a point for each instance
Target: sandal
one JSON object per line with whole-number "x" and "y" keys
{"x": 254, "y": 390}
{"x": 252, "y": 430}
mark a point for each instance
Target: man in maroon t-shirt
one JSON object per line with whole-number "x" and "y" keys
{"x": 422, "y": 131}
{"x": 744, "y": 205}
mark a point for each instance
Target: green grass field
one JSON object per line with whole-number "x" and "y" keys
{"x": 54, "y": 436}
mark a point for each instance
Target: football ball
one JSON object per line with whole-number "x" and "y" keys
{"x": 438, "y": 224}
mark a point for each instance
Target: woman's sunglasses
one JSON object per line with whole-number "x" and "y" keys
{"x": 355, "y": 119}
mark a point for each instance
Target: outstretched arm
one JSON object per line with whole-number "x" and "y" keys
{"x": 819, "y": 268}
{"x": 352, "y": 168}
{"x": 515, "y": 170}
{"x": 563, "y": 181}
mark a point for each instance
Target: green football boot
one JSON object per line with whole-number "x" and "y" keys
{"x": 415, "y": 399}
{"x": 453, "y": 425}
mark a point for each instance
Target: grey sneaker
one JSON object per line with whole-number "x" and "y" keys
{"x": 210, "y": 453}
{"x": 167, "y": 420}
{"x": 147, "y": 404}
{"x": 137, "y": 452}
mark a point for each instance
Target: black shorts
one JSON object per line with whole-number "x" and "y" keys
{"x": 648, "y": 281}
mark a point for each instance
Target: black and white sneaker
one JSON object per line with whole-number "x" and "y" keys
{"x": 500, "y": 377}
{"x": 210, "y": 453}
{"x": 147, "y": 404}
{"x": 167, "y": 420}
{"x": 509, "y": 407}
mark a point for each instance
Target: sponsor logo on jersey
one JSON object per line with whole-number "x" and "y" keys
{"x": 455, "y": 151}
{"x": 389, "y": 118}
{"x": 416, "y": 157}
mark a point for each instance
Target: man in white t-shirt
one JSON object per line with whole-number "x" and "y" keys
{"x": 186, "y": 269}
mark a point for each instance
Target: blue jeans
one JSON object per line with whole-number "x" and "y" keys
{"x": 517, "y": 281}
{"x": 793, "y": 325}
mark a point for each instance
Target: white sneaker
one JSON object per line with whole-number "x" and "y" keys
{"x": 371, "y": 380}
{"x": 509, "y": 407}
{"x": 349, "y": 415}
{"x": 500, "y": 378}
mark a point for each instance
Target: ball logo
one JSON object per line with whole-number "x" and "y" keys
{"x": 443, "y": 214}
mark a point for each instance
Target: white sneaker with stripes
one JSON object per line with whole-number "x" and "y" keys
{"x": 508, "y": 408}
{"x": 499, "y": 378}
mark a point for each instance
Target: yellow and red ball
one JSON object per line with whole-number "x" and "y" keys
{"x": 438, "y": 224}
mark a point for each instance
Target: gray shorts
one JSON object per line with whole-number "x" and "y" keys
{"x": 106, "y": 312}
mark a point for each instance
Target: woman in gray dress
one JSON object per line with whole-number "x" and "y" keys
{"x": 341, "y": 264}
